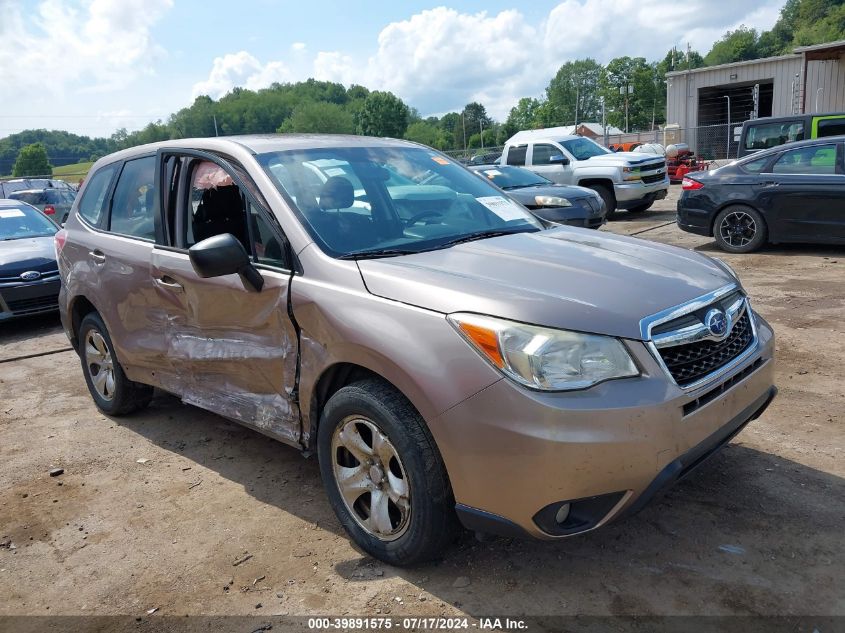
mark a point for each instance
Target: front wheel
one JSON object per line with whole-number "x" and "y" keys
{"x": 641, "y": 207}
{"x": 739, "y": 229}
{"x": 609, "y": 198}
{"x": 383, "y": 474}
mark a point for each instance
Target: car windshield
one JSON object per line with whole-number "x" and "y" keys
{"x": 513, "y": 177}
{"x": 384, "y": 201}
{"x": 584, "y": 148}
{"x": 18, "y": 223}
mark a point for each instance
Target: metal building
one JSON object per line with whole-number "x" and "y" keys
{"x": 705, "y": 103}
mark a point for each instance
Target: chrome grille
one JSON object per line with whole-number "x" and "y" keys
{"x": 693, "y": 361}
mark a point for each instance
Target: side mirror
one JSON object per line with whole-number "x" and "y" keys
{"x": 224, "y": 255}
{"x": 558, "y": 159}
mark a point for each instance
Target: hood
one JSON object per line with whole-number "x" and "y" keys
{"x": 32, "y": 253}
{"x": 567, "y": 278}
{"x": 563, "y": 191}
{"x": 625, "y": 158}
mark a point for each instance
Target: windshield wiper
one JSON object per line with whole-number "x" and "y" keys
{"x": 376, "y": 253}
{"x": 482, "y": 235}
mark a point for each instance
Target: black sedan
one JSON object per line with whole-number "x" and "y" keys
{"x": 560, "y": 204}
{"x": 29, "y": 274}
{"x": 790, "y": 193}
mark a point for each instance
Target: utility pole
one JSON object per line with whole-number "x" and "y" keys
{"x": 577, "y": 95}
{"x": 215, "y": 126}
{"x": 728, "y": 147}
{"x": 481, "y": 132}
{"x": 464, "y": 126}
{"x": 604, "y": 122}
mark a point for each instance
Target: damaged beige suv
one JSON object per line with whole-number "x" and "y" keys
{"x": 373, "y": 302}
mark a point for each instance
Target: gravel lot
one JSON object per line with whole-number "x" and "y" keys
{"x": 154, "y": 510}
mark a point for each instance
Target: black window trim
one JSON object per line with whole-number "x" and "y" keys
{"x": 118, "y": 167}
{"x": 838, "y": 166}
{"x": 261, "y": 205}
{"x": 156, "y": 205}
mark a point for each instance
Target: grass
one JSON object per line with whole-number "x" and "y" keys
{"x": 72, "y": 173}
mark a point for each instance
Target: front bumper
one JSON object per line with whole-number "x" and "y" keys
{"x": 512, "y": 453}
{"x": 29, "y": 298}
{"x": 632, "y": 194}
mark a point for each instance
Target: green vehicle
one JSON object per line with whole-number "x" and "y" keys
{"x": 758, "y": 134}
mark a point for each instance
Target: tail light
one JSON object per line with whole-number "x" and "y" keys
{"x": 49, "y": 210}
{"x": 688, "y": 184}
{"x": 59, "y": 240}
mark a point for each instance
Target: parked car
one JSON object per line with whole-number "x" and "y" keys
{"x": 624, "y": 180}
{"x": 460, "y": 363}
{"x": 8, "y": 187}
{"x": 793, "y": 193}
{"x": 29, "y": 274}
{"x": 558, "y": 204}
{"x": 769, "y": 132}
{"x": 485, "y": 158}
{"x": 53, "y": 202}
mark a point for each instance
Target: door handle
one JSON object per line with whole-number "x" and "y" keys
{"x": 166, "y": 281}
{"x": 98, "y": 256}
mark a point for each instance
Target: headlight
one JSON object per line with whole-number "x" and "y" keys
{"x": 551, "y": 201}
{"x": 545, "y": 358}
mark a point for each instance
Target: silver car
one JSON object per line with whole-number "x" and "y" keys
{"x": 447, "y": 360}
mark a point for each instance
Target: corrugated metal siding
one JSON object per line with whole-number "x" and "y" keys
{"x": 829, "y": 77}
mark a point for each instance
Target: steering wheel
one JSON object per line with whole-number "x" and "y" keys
{"x": 424, "y": 214}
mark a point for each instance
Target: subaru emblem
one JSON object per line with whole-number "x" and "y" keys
{"x": 717, "y": 323}
{"x": 31, "y": 275}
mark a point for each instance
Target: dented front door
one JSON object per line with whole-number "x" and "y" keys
{"x": 233, "y": 350}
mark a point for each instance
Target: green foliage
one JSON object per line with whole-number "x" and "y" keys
{"x": 319, "y": 117}
{"x": 32, "y": 161}
{"x": 427, "y": 133}
{"x": 735, "y": 46}
{"x": 62, "y": 147}
{"x": 383, "y": 114}
{"x": 575, "y": 88}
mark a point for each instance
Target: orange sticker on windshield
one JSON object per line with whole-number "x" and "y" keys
{"x": 440, "y": 160}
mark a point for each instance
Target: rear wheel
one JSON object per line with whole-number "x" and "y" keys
{"x": 383, "y": 474}
{"x": 112, "y": 391}
{"x": 739, "y": 229}
{"x": 606, "y": 194}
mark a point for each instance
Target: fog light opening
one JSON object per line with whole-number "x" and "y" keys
{"x": 562, "y": 514}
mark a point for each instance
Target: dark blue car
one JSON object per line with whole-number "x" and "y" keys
{"x": 790, "y": 193}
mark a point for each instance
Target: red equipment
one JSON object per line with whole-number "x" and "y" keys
{"x": 680, "y": 161}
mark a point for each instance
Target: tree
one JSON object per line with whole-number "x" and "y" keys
{"x": 574, "y": 91}
{"x": 472, "y": 119}
{"x": 32, "y": 161}
{"x": 735, "y": 46}
{"x": 639, "y": 83}
{"x": 319, "y": 117}
{"x": 428, "y": 134}
{"x": 383, "y": 114}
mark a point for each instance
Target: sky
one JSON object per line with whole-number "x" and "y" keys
{"x": 93, "y": 66}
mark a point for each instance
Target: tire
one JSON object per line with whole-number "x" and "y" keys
{"x": 641, "y": 207}
{"x": 739, "y": 229}
{"x": 114, "y": 394}
{"x": 418, "y": 520}
{"x": 609, "y": 198}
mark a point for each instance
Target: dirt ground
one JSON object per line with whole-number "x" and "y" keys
{"x": 154, "y": 510}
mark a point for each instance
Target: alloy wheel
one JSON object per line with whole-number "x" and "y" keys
{"x": 371, "y": 479}
{"x": 737, "y": 229}
{"x": 100, "y": 364}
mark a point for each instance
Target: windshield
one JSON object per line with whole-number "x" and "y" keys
{"x": 584, "y": 148}
{"x": 513, "y": 177}
{"x": 390, "y": 200}
{"x": 21, "y": 222}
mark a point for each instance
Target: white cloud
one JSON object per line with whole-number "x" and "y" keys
{"x": 103, "y": 44}
{"x": 440, "y": 59}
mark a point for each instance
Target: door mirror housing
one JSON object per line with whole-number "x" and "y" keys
{"x": 558, "y": 159}
{"x": 224, "y": 255}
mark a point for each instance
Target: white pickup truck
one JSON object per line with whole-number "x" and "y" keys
{"x": 625, "y": 180}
